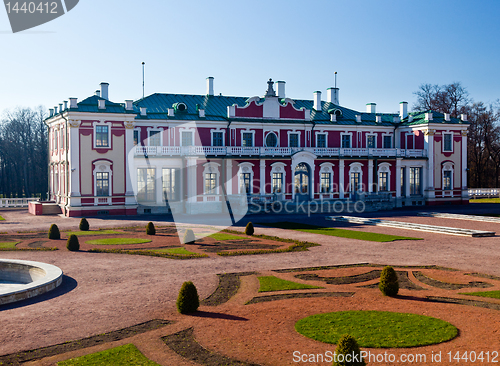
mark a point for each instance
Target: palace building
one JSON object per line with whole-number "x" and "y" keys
{"x": 194, "y": 153}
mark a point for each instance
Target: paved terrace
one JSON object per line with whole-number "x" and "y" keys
{"x": 105, "y": 292}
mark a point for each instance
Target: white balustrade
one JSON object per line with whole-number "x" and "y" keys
{"x": 16, "y": 202}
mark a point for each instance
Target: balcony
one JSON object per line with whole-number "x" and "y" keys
{"x": 232, "y": 151}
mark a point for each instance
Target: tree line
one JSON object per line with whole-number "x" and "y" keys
{"x": 23, "y": 153}
{"x": 483, "y": 141}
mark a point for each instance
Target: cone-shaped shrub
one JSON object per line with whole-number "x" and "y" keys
{"x": 73, "y": 245}
{"x": 54, "y": 233}
{"x": 150, "y": 228}
{"x": 188, "y": 300}
{"x": 84, "y": 224}
{"x": 389, "y": 284}
{"x": 348, "y": 352}
{"x": 189, "y": 237}
{"x": 249, "y": 230}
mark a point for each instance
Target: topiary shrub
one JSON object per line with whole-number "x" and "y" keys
{"x": 73, "y": 245}
{"x": 188, "y": 300}
{"x": 150, "y": 228}
{"x": 348, "y": 352}
{"x": 249, "y": 230}
{"x": 54, "y": 233}
{"x": 189, "y": 237}
{"x": 389, "y": 284}
{"x": 84, "y": 224}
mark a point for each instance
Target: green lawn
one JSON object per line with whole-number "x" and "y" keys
{"x": 485, "y": 200}
{"x": 222, "y": 236}
{"x": 8, "y": 244}
{"x": 93, "y": 232}
{"x": 490, "y": 294}
{"x": 118, "y": 241}
{"x": 178, "y": 251}
{"x": 2, "y": 219}
{"x": 272, "y": 283}
{"x": 377, "y": 329}
{"x": 343, "y": 233}
{"x": 120, "y": 356}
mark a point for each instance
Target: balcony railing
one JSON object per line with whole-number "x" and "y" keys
{"x": 274, "y": 151}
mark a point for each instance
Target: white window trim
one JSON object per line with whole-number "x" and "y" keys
{"x": 442, "y": 146}
{"x": 102, "y": 123}
{"x": 155, "y": 129}
{"x": 212, "y": 167}
{"x": 326, "y": 138}
{"x": 295, "y": 132}
{"x": 356, "y": 168}
{"x": 392, "y": 140}
{"x": 139, "y": 141}
{"x": 326, "y": 168}
{"x": 184, "y": 129}
{"x": 384, "y": 168}
{"x": 406, "y": 140}
{"x": 212, "y": 135}
{"x": 448, "y": 167}
{"x": 276, "y": 133}
{"x": 103, "y": 166}
{"x": 279, "y": 168}
{"x": 245, "y": 168}
{"x": 366, "y": 139}
{"x": 350, "y": 137}
{"x": 247, "y": 131}
{"x": 136, "y": 180}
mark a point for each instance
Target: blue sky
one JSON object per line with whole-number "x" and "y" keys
{"x": 382, "y": 50}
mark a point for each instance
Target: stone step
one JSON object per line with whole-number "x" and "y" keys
{"x": 461, "y": 217}
{"x": 412, "y": 226}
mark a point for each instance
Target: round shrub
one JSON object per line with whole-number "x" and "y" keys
{"x": 84, "y": 224}
{"x": 73, "y": 245}
{"x": 249, "y": 230}
{"x": 54, "y": 233}
{"x": 389, "y": 284}
{"x": 150, "y": 228}
{"x": 348, "y": 352}
{"x": 188, "y": 300}
{"x": 189, "y": 237}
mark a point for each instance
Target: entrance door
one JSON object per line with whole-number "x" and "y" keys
{"x": 355, "y": 185}
{"x": 302, "y": 182}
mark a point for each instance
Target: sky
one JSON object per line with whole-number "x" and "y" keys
{"x": 382, "y": 50}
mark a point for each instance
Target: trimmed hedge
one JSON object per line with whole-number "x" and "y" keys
{"x": 188, "y": 300}
{"x": 348, "y": 350}
{"x": 150, "y": 229}
{"x": 389, "y": 284}
{"x": 249, "y": 230}
{"x": 189, "y": 237}
{"x": 73, "y": 244}
{"x": 84, "y": 224}
{"x": 54, "y": 232}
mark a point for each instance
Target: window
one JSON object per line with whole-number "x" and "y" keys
{"x": 370, "y": 141}
{"x": 210, "y": 183}
{"x": 245, "y": 182}
{"x": 447, "y": 142}
{"x": 171, "y": 186}
{"x": 383, "y": 182}
{"x": 325, "y": 183}
{"x": 136, "y": 137}
{"x": 387, "y": 142}
{"x": 187, "y": 138}
{"x": 346, "y": 141}
{"x": 101, "y": 136}
{"x": 271, "y": 140}
{"x": 102, "y": 184}
{"x": 247, "y": 139}
{"x": 56, "y": 134}
{"x": 447, "y": 180}
{"x": 146, "y": 184}
{"x": 415, "y": 177}
{"x": 403, "y": 182}
{"x": 321, "y": 140}
{"x": 277, "y": 182}
{"x": 217, "y": 138}
{"x": 154, "y": 138}
{"x": 294, "y": 140}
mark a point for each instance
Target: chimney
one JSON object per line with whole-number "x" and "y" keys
{"x": 144, "y": 111}
{"x": 463, "y": 117}
{"x": 210, "y": 86}
{"x": 129, "y": 106}
{"x": 201, "y": 113}
{"x": 98, "y": 93}
{"x": 104, "y": 90}
{"x": 102, "y": 104}
{"x": 371, "y": 108}
{"x": 447, "y": 117}
{"x": 429, "y": 116}
{"x": 378, "y": 119}
{"x": 332, "y": 95}
{"x": 403, "y": 110}
{"x": 60, "y": 107}
{"x": 358, "y": 118}
{"x": 55, "y": 110}
{"x": 171, "y": 112}
{"x": 65, "y": 104}
{"x": 280, "y": 88}
{"x": 73, "y": 102}
{"x": 51, "y": 111}
{"x": 317, "y": 100}
{"x": 333, "y": 117}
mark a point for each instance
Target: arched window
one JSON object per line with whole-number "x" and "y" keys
{"x": 271, "y": 140}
